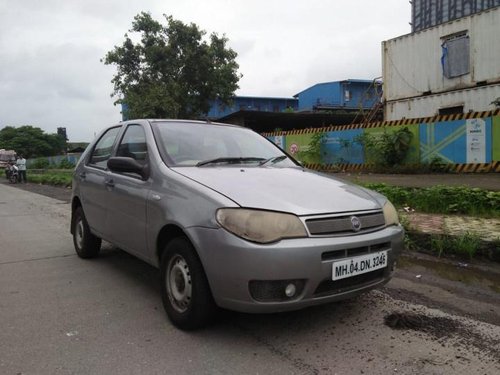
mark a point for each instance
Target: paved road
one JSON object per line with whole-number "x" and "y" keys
{"x": 63, "y": 315}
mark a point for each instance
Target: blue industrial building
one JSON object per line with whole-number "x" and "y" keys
{"x": 323, "y": 104}
{"x": 351, "y": 94}
{"x": 252, "y": 103}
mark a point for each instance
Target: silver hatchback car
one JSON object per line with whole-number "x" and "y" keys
{"x": 230, "y": 219}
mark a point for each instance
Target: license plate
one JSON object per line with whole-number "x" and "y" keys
{"x": 359, "y": 265}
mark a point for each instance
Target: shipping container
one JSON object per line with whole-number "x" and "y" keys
{"x": 458, "y": 55}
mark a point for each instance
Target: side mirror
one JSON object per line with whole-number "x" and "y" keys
{"x": 128, "y": 165}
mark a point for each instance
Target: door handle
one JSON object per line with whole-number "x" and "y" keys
{"x": 110, "y": 183}
{"x": 82, "y": 175}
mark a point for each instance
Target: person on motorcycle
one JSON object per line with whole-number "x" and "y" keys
{"x": 11, "y": 172}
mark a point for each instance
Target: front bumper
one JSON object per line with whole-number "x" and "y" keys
{"x": 232, "y": 263}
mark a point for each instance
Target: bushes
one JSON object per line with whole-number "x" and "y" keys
{"x": 40, "y": 163}
{"x": 465, "y": 245}
{"x": 443, "y": 199}
{"x": 44, "y": 163}
{"x": 389, "y": 148}
{"x": 52, "y": 178}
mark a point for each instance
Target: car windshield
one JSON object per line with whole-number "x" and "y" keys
{"x": 204, "y": 145}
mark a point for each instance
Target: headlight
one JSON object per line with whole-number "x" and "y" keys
{"x": 260, "y": 226}
{"x": 390, "y": 214}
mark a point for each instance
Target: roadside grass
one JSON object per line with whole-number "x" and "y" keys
{"x": 442, "y": 199}
{"x": 465, "y": 246}
{"x": 51, "y": 177}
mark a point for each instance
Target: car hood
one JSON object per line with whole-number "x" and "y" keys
{"x": 296, "y": 190}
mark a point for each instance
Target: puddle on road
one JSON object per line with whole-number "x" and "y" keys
{"x": 454, "y": 272}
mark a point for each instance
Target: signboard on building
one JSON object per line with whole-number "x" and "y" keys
{"x": 476, "y": 140}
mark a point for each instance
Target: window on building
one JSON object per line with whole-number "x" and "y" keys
{"x": 456, "y": 55}
{"x": 451, "y": 110}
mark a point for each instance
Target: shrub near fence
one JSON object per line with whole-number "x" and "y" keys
{"x": 62, "y": 162}
{"x": 55, "y": 177}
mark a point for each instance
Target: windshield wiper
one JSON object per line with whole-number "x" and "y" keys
{"x": 228, "y": 160}
{"x": 274, "y": 159}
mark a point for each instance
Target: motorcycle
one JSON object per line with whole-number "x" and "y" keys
{"x": 13, "y": 174}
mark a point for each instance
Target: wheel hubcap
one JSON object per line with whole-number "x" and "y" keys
{"x": 178, "y": 282}
{"x": 79, "y": 234}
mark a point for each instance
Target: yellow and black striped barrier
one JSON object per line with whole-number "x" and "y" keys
{"x": 380, "y": 124}
{"x": 477, "y": 168}
{"x": 457, "y": 168}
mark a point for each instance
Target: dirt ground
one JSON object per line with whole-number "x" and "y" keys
{"x": 56, "y": 192}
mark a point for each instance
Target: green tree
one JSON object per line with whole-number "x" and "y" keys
{"x": 31, "y": 142}
{"x": 172, "y": 71}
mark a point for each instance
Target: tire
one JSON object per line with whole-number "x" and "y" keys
{"x": 86, "y": 244}
{"x": 185, "y": 292}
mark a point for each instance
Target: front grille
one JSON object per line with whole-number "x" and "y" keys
{"x": 347, "y": 253}
{"x": 329, "y": 287}
{"x": 342, "y": 225}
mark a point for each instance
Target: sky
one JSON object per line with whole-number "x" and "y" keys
{"x": 51, "y": 74}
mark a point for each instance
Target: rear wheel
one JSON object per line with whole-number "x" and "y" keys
{"x": 86, "y": 244}
{"x": 186, "y": 295}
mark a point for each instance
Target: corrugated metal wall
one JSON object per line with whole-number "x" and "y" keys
{"x": 350, "y": 94}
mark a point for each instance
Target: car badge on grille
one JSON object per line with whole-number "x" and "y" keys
{"x": 356, "y": 224}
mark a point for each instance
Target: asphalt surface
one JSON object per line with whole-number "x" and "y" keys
{"x": 64, "y": 315}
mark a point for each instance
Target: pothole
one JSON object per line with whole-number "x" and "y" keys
{"x": 449, "y": 331}
{"x": 434, "y": 325}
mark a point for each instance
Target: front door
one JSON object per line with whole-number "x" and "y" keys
{"x": 92, "y": 182}
{"x": 127, "y": 202}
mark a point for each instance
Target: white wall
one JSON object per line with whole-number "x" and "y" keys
{"x": 475, "y": 99}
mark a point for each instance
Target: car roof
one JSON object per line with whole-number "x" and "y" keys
{"x": 197, "y": 122}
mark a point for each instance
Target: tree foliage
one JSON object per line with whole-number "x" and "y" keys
{"x": 172, "y": 71}
{"x": 31, "y": 142}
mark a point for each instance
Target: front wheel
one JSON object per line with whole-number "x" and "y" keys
{"x": 185, "y": 292}
{"x": 86, "y": 244}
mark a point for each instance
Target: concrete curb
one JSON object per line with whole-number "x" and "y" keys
{"x": 423, "y": 229}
